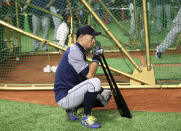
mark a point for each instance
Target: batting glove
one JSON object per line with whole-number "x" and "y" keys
{"x": 97, "y": 52}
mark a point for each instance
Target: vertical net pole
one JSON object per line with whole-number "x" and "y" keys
{"x": 146, "y": 35}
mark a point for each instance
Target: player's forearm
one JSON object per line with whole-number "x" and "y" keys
{"x": 92, "y": 70}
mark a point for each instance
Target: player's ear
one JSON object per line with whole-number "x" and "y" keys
{"x": 81, "y": 36}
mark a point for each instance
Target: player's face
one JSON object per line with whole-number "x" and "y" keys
{"x": 89, "y": 40}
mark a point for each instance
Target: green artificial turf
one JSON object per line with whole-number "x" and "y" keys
{"x": 161, "y": 72}
{"x": 115, "y": 30}
{"x": 164, "y": 72}
{"x": 167, "y": 73}
{"x": 122, "y": 64}
{"x": 17, "y": 116}
{"x": 166, "y": 59}
{"x": 27, "y": 42}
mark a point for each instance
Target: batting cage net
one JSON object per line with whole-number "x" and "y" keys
{"x": 27, "y": 27}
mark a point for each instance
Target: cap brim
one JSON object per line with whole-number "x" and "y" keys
{"x": 96, "y": 33}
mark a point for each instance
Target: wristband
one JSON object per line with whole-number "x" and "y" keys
{"x": 96, "y": 58}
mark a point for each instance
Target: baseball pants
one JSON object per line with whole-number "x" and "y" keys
{"x": 57, "y": 21}
{"x": 76, "y": 95}
{"x": 172, "y": 34}
{"x": 132, "y": 22}
{"x": 37, "y": 21}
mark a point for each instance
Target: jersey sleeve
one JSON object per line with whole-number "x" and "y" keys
{"x": 77, "y": 61}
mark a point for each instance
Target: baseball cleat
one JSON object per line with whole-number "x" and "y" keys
{"x": 90, "y": 121}
{"x": 158, "y": 54}
{"x": 72, "y": 115}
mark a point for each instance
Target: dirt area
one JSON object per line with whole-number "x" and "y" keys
{"x": 153, "y": 100}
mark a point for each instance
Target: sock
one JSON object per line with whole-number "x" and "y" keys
{"x": 98, "y": 103}
{"x": 89, "y": 101}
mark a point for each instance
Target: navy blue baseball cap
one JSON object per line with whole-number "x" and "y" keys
{"x": 87, "y": 29}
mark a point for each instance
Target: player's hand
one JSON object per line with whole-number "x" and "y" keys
{"x": 98, "y": 51}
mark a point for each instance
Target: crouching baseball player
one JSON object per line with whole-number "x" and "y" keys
{"x": 75, "y": 84}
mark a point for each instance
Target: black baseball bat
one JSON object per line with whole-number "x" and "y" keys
{"x": 112, "y": 90}
{"x": 120, "y": 102}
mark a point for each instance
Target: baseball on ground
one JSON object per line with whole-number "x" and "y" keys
{"x": 17, "y": 59}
